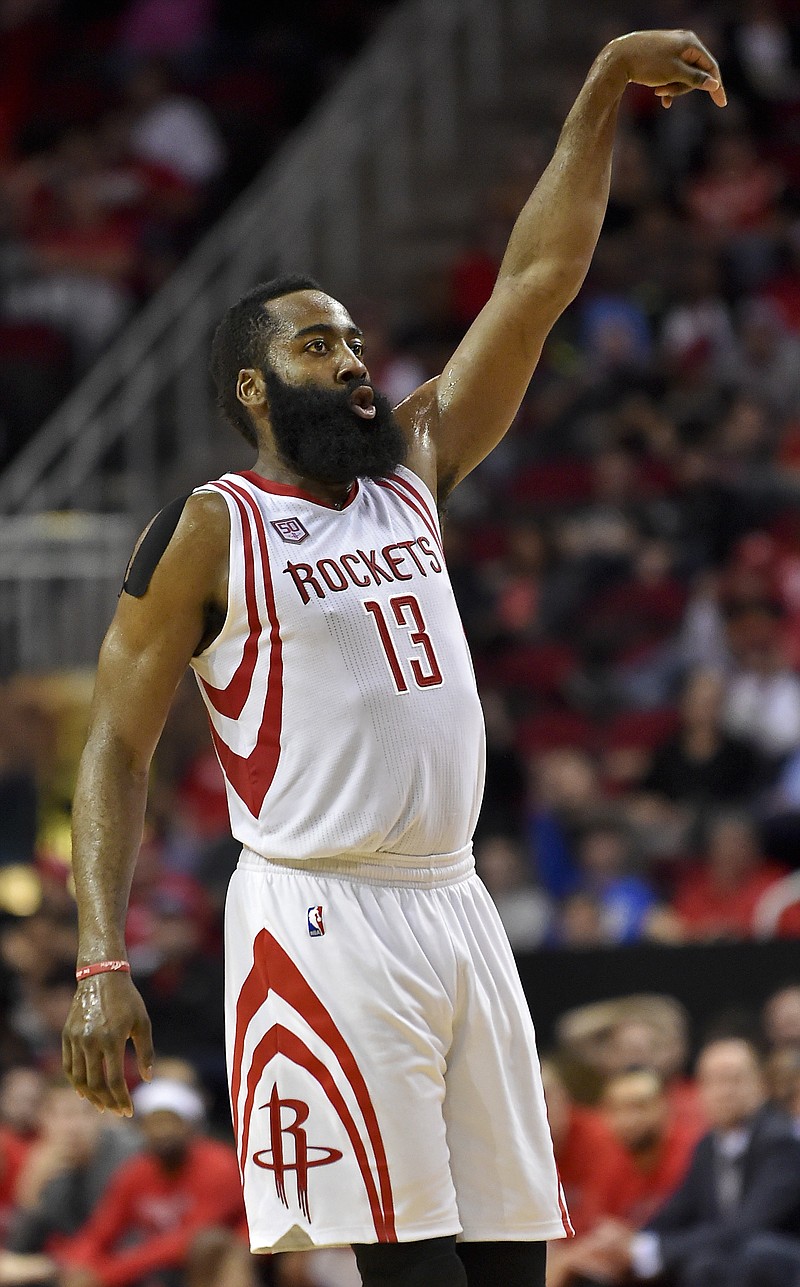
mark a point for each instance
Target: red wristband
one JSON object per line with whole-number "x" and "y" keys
{"x": 102, "y": 967}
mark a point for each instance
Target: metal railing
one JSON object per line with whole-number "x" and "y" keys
{"x": 59, "y": 579}
{"x": 335, "y": 194}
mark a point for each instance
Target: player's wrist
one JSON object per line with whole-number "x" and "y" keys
{"x": 111, "y": 965}
{"x": 611, "y": 70}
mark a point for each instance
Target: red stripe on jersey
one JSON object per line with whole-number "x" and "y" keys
{"x": 418, "y": 509}
{"x": 231, "y": 699}
{"x": 274, "y": 970}
{"x": 403, "y": 482}
{"x": 251, "y": 775}
{"x": 280, "y": 1040}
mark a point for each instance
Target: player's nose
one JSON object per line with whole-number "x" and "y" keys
{"x": 350, "y": 367}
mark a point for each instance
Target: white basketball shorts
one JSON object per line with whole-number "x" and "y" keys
{"x": 383, "y": 1071}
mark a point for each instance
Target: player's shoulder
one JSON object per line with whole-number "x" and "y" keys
{"x": 191, "y": 532}
{"x": 205, "y": 513}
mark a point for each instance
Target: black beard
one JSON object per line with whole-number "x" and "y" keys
{"x": 319, "y": 435}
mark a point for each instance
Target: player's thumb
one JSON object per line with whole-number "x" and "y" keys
{"x": 142, "y": 1037}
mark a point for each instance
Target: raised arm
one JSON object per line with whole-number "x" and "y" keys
{"x": 146, "y": 651}
{"x": 464, "y": 413}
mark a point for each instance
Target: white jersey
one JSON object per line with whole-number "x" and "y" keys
{"x": 340, "y": 690}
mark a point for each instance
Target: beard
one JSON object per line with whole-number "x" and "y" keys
{"x": 319, "y": 435}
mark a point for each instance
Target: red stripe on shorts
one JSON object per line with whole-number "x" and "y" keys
{"x": 274, "y": 970}
{"x": 280, "y": 1040}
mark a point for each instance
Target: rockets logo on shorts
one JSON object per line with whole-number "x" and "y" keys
{"x": 290, "y": 529}
{"x": 279, "y": 1159}
{"x": 316, "y": 922}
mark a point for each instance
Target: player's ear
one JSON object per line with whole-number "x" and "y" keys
{"x": 250, "y": 387}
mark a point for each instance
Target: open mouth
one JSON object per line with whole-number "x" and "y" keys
{"x": 362, "y": 400}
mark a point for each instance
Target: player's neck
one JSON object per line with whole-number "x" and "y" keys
{"x": 275, "y": 470}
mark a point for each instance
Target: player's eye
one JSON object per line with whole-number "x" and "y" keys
{"x": 317, "y": 346}
{"x": 358, "y": 348}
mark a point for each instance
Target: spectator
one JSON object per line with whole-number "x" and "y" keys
{"x": 743, "y": 1181}
{"x": 764, "y": 62}
{"x": 702, "y": 766}
{"x": 648, "y": 1031}
{"x": 41, "y": 1012}
{"x": 701, "y": 315}
{"x": 519, "y": 588}
{"x": 181, "y": 984}
{"x": 504, "y": 794}
{"x": 21, "y": 1091}
{"x": 524, "y": 909}
{"x": 626, "y": 900}
{"x": 64, "y": 1176}
{"x": 566, "y": 796}
{"x": 737, "y": 191}
{"x": 717, "y": 899}
{"x": 657, "y": 1043}
{"x": 172, "y": 129}
{"x": 763, "y": 702}
{"x": 79, "y": 271}
{"x": 580, "y": 923}
{"x": 766, "y": 363}
{"x": 158, "y": 1202}
{"x": 584, "y": 1148}
{"x": 656, "y": 1146}
{"x": 782, "y": 1075}
{"x": 12, "y": 1160}
{"x": 652, "y": 1161}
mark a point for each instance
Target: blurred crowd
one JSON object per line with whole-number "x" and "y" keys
{"x": 126, "y": 127}
{"x": 677, "y": 1170}
{"x": 627, "y": 564}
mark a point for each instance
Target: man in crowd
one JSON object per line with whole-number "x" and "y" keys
{"x": 651, "y": 1158}
{"x": 64, "y": 1176}
{"x": 743, "y": 1182}
{"x": 181, "y": 1185}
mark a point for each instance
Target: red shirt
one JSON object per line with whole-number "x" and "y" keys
{"x": 13, "y": 1152}
{"x": 633, "y": 1195}
{"x": 686, "y": 1108}
{"x": 708, "y": 911}
{"x": 163, "y": 1211}
{"x": 588, "y": 1150}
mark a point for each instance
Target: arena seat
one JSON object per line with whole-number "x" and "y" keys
{"x": 554, "y": 482}
{"x": 543, "y": 669}
{"x": 555, "y": 730}
{"x": 643, "y": 730}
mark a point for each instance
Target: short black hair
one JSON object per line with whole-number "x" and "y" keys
{"x": 239, "y": 342}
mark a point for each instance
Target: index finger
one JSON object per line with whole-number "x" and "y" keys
{"x": 696, "y": 55}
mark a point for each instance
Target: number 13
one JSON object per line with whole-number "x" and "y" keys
{"x": 408, "y": 614}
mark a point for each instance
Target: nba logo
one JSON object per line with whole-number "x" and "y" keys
{"x": 316, "y": 924}
{"x": 290, "y": 529}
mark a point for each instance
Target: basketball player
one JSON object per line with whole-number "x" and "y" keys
{"x": 384, "y": 1081}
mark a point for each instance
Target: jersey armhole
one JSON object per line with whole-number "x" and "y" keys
{"x": 210, "y": 489}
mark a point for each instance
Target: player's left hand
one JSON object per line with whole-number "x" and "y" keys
{"x": 671, "y": 63}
